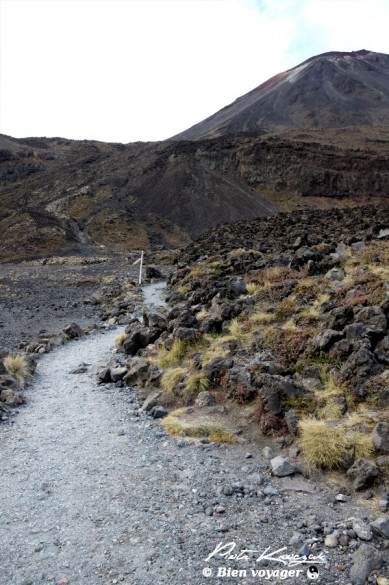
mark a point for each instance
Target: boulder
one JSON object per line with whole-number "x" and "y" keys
{"x": 292, "y": 421}
{"x": 325, "y": 339}
{"x": 273, "y": 389}
{"x": 205, "y": 399}
{"x": 153, "y": 272}
{"x": 380, "y": 437}
{"x": 9, "y": 381}
{"x": 359, "y": 366}
{"x": 362, "y": 473}
{"x": 138, "y": 338}
{"x": 155, "y": 319}
{"x": 374, "y": 320}
{"x": 381, "y": 526}
{"x": 73, "y": 331}
{"x": 118, "y": 373}
{"x": 3, "y": 353}
{"x": 335, "y": 274}
{"x": 11, "y": 397}
{"x": 151, "y": 400}
{"x": 105, "y": 376}
{"x": 362, "y": 529}
{"x": 282, "y": 466}
{"x": 216, "y": 368}
{"x": 138, "y": 371}
{"x": 339, "y": 317}
{"x": 158, "y": 412}
{"x": 365, "y": 560}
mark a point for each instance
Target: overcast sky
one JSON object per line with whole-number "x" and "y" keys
{"x": 127, "y": 70}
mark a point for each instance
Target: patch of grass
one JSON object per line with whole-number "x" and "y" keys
{"x": 322, "y": 445}
{"x": 214, "y": 268}
{"x": 289, "y": 325}
{"x": 120, "y": 339}
{"x": 310, "y": 314}
{"x": 172, "y": 425}
{"x": 217, "y": 348}
{"x": 361, "y": 443}
{"x": 331, "y": 388}
{"x": 286, "y": 308}
{"x": 202, "y": 314}
{"x": 307, "y": 288}
{"x": 261, "y": 318}
{"x": 183, "y": 289}
{"x": 330, "y": 411}
{"x": 252, "y": 288}
{"x": 236, "y": 330}
{"x": 171, "y": 378}
{"x": 196, "y": 383}
{"x": 321, "y": 299}
{"x": 276, "y": 274}
{"x": 169, "y": 359}
{"x": 17, "y": 365}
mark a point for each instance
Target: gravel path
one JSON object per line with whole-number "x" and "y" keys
{"x": 91, "y": 493}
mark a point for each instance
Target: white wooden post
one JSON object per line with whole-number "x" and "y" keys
{"x": 140, "y": 268}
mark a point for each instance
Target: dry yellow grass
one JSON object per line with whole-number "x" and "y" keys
{"x": 18, "y": 366}
{"x": 174, "y": 426}
{"x": 322, "y": 445}
{"x": 196, "y": 383}
{"x": 120, "y": 339}
{"x": 252, "y": 288}
{"x": 171, "y": 378}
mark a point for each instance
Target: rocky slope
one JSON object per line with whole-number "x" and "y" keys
{"x": 331, "y": 90}
{"x": 288, "y": 318}
{"x": 62, "y": 196}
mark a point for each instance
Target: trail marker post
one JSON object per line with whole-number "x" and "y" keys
{"x": 140, "y": 262}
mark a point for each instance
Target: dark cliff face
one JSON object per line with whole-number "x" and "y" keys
{"x": 60, "y": 196}
{"x": 327, "y": 91}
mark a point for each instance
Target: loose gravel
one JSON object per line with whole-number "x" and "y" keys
{"x": 94, "y": 492}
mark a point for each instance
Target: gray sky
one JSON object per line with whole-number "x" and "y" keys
{"x": 127, "y": 70}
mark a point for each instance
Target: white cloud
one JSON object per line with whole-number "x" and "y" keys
{"x": 125, "y": 70}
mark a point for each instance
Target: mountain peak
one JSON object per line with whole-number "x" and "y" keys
{"x": 330, "y": 90}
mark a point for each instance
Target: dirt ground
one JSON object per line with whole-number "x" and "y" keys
{"x": 40, "y": 297}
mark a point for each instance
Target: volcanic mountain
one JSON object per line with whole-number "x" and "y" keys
{"x": 331, "y": 90}
{"x": 327, "y": 144}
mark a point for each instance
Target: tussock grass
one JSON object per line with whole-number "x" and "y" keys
{"x": 172, "y": 425}
{"x": 307, "y": 288}
{"x": 217, "y": 348}
{"x": 169, "y": 359}
{"x": 120, "y": 339}
{"x": 331, "y": 388}
{"x": 361, "y": 443}
{"x": 183, "y": 289}
{"x": 252, "y": 288}
{"x": 261, "y": 318}
{"x": 322, "y": 445}
{"x": 236, "y": 330}
{"x": 202, "y": 314}
{"x": 196, "y": 383}
{"x": 289, "y": 325}
{"x": 330, "y": 411}
{"x": 321, "y": 299}
{"x": 171, "y": 378}
{"x": 17, "y": 365}
{"x": 310, "y": 314}
{"x": 276, "y": 274}
{"x": 286, "y": 308}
